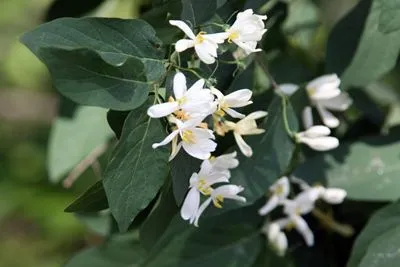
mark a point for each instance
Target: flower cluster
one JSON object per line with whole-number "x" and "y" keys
{"x": 325, "y": 95}
{"x": 245, "y": 32}
{"x": 294, "y": 208}
{"x": 188, "y": 111}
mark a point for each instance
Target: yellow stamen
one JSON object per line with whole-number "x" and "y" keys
{"x": 291, "y": 225}
{"x": 220, "y": 113}
{"x": 279, "y": 190}
{"x": 188, "y": 137}
{"x": 232, "y": 36}
{"x": 203, "y": 125}
{"x": 203, "y": 187}
{"x": 218, "y": 200}
{"x": 181, "y": 115}
{"x": 171, "y": 99}
{"x": 181, "y": 100}
{"x": 200, "y": 38}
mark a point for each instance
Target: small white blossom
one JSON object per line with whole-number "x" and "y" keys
{"x": 218, "y": 196}
{"x": 196, "y": 141}
{"x": 200, "y": 183}
{"x": 196, "y": 101}
{"x": 317, "y": 137}
{"x": 246, "y": 126}
{"x": 220, "y": 164}
{"x": 237, "y": 99}
{"x": 325, "y": 95}
{"x": 276, "y": 238}
{"x": 247, "y": 30}
{"x": 298, "y": 222}
{"x": 279, "y": 192}
{"x": 205, "y": 45}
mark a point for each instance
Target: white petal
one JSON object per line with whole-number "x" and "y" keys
{"x": 281, "y": 243}
{"x": 167, "y": 139}
{"x": 257, "y": 115}
{"x": 307, "y": 117}
{"x": 288, "y": 88}
{"x": 239, "y": 98}
{"x": 334, "y": 195}
{"x": 317, "y": 131}
{"x": 175, "y": 149}
{"x": 273, "y": 231}
{"x": 205, "y": 54}
{"x": 184, "y": 27}
{"x": 179, "y": 85}
{"x": 162, "y": 110}
{"x": 339, "y": 103}
{"x": 328, "y": 118}
{"x": 201, "y": 149}
{"x": 282, "y": 222}
{"x": 321, "y": 143}
{"x": 281, "y": 187}
{"x": 330, "y": 80}
{"x": 271, "y": 204}
{"x": 304, "y": 230}
{"x": 224, "y": 162}
{"x": 202, "y": 208}
{"x": 183, "y": 44}
{"x": 243, "y": 146}
{"x": 217, "y": 92}
{"x": 233, "y": 113}
{"x": 218, "y": 38}
{"x": 324, "y": 94}
{"x": 198, "y": 85}
{"x": 248, "y": 47}
{"x": 229, "y": 191}
{"x": 191, "y": 204}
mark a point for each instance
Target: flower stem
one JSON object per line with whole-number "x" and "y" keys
{"x": 285, "y": 117}
{"x": 327, "y": 220}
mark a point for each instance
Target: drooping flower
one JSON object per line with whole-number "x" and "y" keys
{"x": 247, "y": 30}
{"x": 218, "y": 196}
{"x": 246, "y": 126}
{"x": 317, "y": 137}
{"x": 200, "y": 183}
{"x": 197, "y": 142}
{"x": 220, "y": 164}
{"x": 187, "y": 104}
{"x": 276, "y": 237}
{"x": 325, "y": 95}
{"x": 205, "y": 45}
{"x": 279, "y": 193}
{"x": 237, "y": 99}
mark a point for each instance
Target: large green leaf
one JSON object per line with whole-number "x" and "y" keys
{"x": 272, "y": 152}
{"x": 120, "y": 251}
{"x": 72, "y": 139}
{"x": 110, "y": 63}
{"x": 379, "y": 236}
{"x": 186, "y": 246}
{"x": 136, "y": 171}
{"x": 389, "y": 19}
{"x": 367, "y": 169}
{"x": 94, "y": 199}
{"x": 376, "y": 53}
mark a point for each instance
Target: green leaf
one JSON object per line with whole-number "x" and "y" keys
{"x": 389, "y": 19}
{"x": 73, "y": 139}
{"x": 195, "y": 11}
{"x": 157, "y": 222}
{"x": 376, "y": 52}
{"x": 366, "y": 169}
{"x": 110, "y": 63}
{"x": 185, "y": 245}
{"x": 121, "y": 251}
{"x": 273, "y": 152}
{"x": 380, "y": 235}
{"x": 116, "y": 120}
{"x": 136, "y": 171}
{"x": 94, "y": 199}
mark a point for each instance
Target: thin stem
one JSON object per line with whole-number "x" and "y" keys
{"x": 189, "y": 70}
{"x": 215, "y": 69}
{"x": 284, "y": 114}
{"x": 327, "y": 220}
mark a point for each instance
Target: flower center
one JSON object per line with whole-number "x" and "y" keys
{"x": 232, "y": 36}
{"x": 218, "y": 200}
{"x": 311, "y": 91}
{"x": 188, "y": 137}
{"x": 279, "y": 190}
{"x": 203, "y": 187}
{"x": 199, "y": 38}
{"x": 181, "y": 115}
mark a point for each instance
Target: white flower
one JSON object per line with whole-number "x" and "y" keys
{"x": 247, "y": 30}
{"x": 196, "y": 141}
{"x": 330, "y": 195}
{"x": 205, "y": 45}
{"x": 276, "y": 238}
{"x": 317, "y": 137}
{"x": 280, "y": 191}
{"x": 296, "y": 221}
{"x": 246, "y": 126}
{"x": 200, "y": 183}
{"x": 220, "y": 164}
{"x": 325, "y": 94}
{"x": 237, "y": 99}
{"x": 187, "y": 103}
{"x": 288, "y": 88}
{"x": 217, "y": 197}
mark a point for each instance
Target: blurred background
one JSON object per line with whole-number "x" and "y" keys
{"x": 35, "y": 156}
